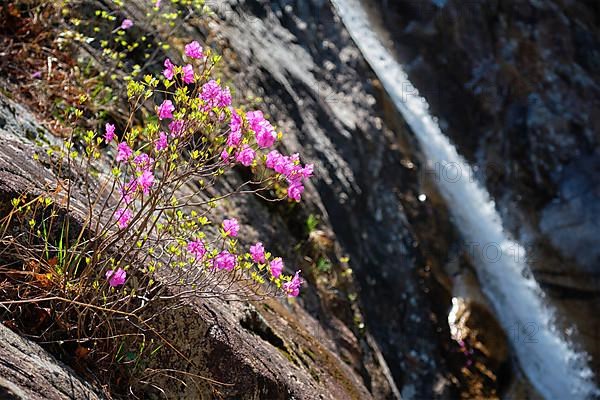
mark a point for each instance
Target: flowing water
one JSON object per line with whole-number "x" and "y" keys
{"x": 545, "y": 355}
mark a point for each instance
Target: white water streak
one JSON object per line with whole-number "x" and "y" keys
{"x": 547, "y": 358}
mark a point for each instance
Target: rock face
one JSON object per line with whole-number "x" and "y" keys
{"x": 28, "y": 372}
{"x": 516, "y": 86}
{"x": 383, "y": 331}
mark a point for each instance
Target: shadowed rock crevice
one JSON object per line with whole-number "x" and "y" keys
{"x": 253, "y": 322}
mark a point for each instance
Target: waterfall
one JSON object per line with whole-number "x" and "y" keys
{"x": 548, "y": 359}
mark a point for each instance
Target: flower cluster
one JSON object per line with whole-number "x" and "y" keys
{"x": 294, "y": 172}
{"x": 198, "y": 133}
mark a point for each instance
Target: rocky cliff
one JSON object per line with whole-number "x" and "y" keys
{"x": 373, "y": 322}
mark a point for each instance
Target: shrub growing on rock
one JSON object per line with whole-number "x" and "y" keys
{"x": 122, "y": 231}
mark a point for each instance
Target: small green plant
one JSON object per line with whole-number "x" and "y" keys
{"x": 323, "y": 265}
{"x": 312, "y": 222}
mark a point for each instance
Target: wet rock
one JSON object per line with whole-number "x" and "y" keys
{"x": 571, "y": 221}
{"x": 515, "y": 85}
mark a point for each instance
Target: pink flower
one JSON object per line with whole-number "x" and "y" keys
{"x": 298, "y": 173}
{"x": 258, "y": 253}
{"x": 276, "y": 266}
{"x": 295, "y": 191}
{"x": 225, "y": 155}
{"x": 292, "y": 288}
{"x": 110, "y": 132}
{"x": 196, "y": 248}
{"x": 234, "y": 138}
{"x": 210, "y": 91}
{"x": 165, "y": 110}
{"x": 116, "y": 278}
{"x": 231, "y": 227}
{"x": 265, "y": 138}
{"x": 188, "y": 74}
{"x": 224, "y": 98}
{"x": 246, "y": 156}
{"x": 145, "y": 181}
{"x": 157, "y": 4}
{"x": 307, "y": 171}
{"x": 283, "y": 165}
{"x": 214, "y": 96}
{"x": 235, "y": 126}
{"x": 254, "y": 118}
{"x": 176, "y": 127}
{"x": 224, "y": 260}
{"x": 126, "y": 24}
{"x": 123, "y": 217}
{"x": 194, "y": 50}
{"x": 161, "y": 143}
{"x": 143, "y": 162}
{"x": 168, "y": 72}
{"x": 273, "y": 158}
{"x": 263, "y": 130}
{"x": 124, "y": 152}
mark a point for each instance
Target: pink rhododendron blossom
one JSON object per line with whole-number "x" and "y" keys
{"x": 165, "y": 110}
{"x": 145, "y": 181}
{"x": 188, "y": 74}
{"x": 143, "y": 162}
{"x": 298, "y": 172}
{"x": 124, "y": 152}
{"x": 224, "y": 260}
{"x": 265, "y": 138}
{"x": 307, "y": 171}
{"x": 272, "y": 158}
{"x": 197, "y": 249}
{"x": 231, "y": 227}
{"x": 295, "y": 191}
{"x": 246, "y": 156}
{"x": 290, "y": 167}
{"x": 123, "y": 217}
{"x": 263, "y": 130}
{"x": 210, "y": 91}
{"x": 235, "y": 126}
{"x": 234, "y": 138}
{"x": 276, "y": 266}
{"x": 280, "y": 163}
{"x": 109, "y": 134}
{"x": 287, "y": 166}
{"x": 169, "y": 70}
{"x": 225, "y": 155}
{"x": 224, "y": 98}
{"x": 161, "y": 143}
{"x": 258, "y": 253}
{"x": 126, "y": 24}
{"x": 292, "y": 288}
{"x": 214, "y": 96}
{"x": 176, "y": 127}
{"x": 157, "y": 4}
{"x": 194, "y": 50}
{"x": 116, "y": 277}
